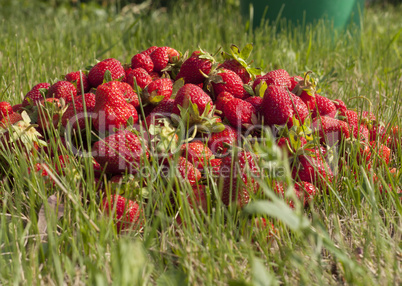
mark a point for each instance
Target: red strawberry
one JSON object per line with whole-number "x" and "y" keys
{"x": 149, "y": 51}
{"x": 112, "y": 109}
{"x": 17, "y": 107}
{"x": 97, "y": 72}
{"x": 221, "y": 100}
{"x": 36, "y": 94}
{"x": 164, "y": 107}
{"x": 75, "y": 112}
{"x": 232, "y": 83}
{"x": 62, "y": 89}
{"x": 256, "y": 101}
{"x": 10, "y": 119}
{"x": 305, "y": 191}
{"x": 238, "y": 175}
{"x": 235, "y": 66}
{"x": 129, "y": 94}
{"x": 305, "y": 89}
{"x": 313, "y": 169}
{"x": 185, "y": 169}
{"x": 194, "y": 67}
{"x": 120, "y": 152}
{"x": 382, "y": 151}
{"x": 215, "y": 165}
{"x": 219, "y": 141}
{"x": 126, "y": 213}
{"x": 197, "y": 153}
{"x": 141, "y": 76}
{"x": 158, "y": 90}
{"x": 276, "y": 77}
{"x": 162, "y": 56}
{"x": 198, "y": 199}
{"x": 294, "y": 80}
{"x": 324, "y": 107}
{"x": 331, "y": 130}
{"x": 75, "y": 78}
{"x": 277, "y": 106}
{"x": 240, "y": 113}
{"x": 142, "y": 61}
{"x": 340, "y": 105}
{"x": 5, "y": 109}
{"x": 300, "y": 109}
{"x": 190, "y": 92}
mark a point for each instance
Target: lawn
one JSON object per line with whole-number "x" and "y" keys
{"x": 350, "y": 233}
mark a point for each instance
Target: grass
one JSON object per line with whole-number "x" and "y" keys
{"x": 350, "y": 236}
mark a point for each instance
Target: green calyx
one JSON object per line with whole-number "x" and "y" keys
{"x": 307, "y": 84}
{"x": 241, "y": 56}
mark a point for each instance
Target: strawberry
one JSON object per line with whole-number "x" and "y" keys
{"x": 305, "y": 89}
{"x": 236, "y": 67}
{"x": 331, "y": 131}
{"x": 383, "y": 152}
{"x": 75, "y": 78}
{"x": 149, "y": 51}
{"x": 141, "y": 76}
{"x": 215, "y": 165}
{"x": 193, "y": 69}
{"x": 305, "y": 191}
{"x": 221, "y": 100}
{"x": 324, "y": 107}
{"x": 238, "y": 175}
{"x": 126, "y": 213}
{"x": 340, "y": 105}
{"x": 240, "y": 113}
{"x": 158, "y": 90}
{"x": 120, "y": 152}
{"x": 142, "y": 61}
{"x": 197, "y": 153}
{"x": 190, "y": 92}
{"x": 17, "y": 107}
{"x": 278, "y": 77}
{"x": 198, "y": 199}
{"x": 219, "y": 142}
{"x": 75, "y": 112}
{"x": 278, "y": 107}
{"x": 97, "y": 73}
{"x": 294, "y": 80}
{"x": 313, "y": 169}
{"x": 50, "y": 111}
{"x": 62, "y": 89}
{"x": 10, "y": 119}
{"x": 112, "y": 109}
{"x": 256, "y": 101}
{"x": 229, "y": 81}
{"x": 184, "y": 169}
{"x": 129, "y": 94}
{"x": 36, "y": 94}
{"x": 164, "y": 107}
{"x": 5, "y": 109}
{"x": 162, "y": 56}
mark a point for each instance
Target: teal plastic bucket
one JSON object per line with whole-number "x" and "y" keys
{"x": 303, "y": 12}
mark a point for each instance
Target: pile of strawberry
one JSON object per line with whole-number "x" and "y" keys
{"x": 192, "y": 118}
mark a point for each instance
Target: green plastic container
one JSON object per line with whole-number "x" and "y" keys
{"x": 303, "y": 12}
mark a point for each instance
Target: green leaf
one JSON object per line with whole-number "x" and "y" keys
{"x": 176, "y": 86}
{"x": 249, "y": 89}
{"x": 261, "y": 88}
{"x": 246, "y": 51}
{"x": 107, "y": 76}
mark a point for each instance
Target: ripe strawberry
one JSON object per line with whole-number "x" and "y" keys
{"x": 256, "y": 101}
{"x": 162, "y": 56}
{"x": 62, "y": 89}
{"x": 126, "y": 213}
{"x": 240, "y": 113}
{"x": 142, "y": 61}
{"x": 190, "y": 92}
{"x": 235, "y": 66}
{"x": 238, "y": 178}
{"x": 149, "y": 51}
{"x": 383, "y": 152}
{"x": 330, "y": 130}
{"x": 219, "y": 142}
{"x": 278, "y": 77}
{"x": 221, "y": 100}
{"x": 198, "y": 199}
{"x": 141, "y": 76}
{"x": 5, "y": 109}
{"x": 129, "y": 94}
{"x": 340, "y": 105}
{"x": 75, "y": 78}
{"x": 197, "y": 153}
{"x": 277, "y": 107}
{"x": 17, "y": 107}
{"x": 112, "y": 109}
{"x": 75, "y": 112}
{"x": 36, "y": 94}
{"x": 120, "y": 152}
{"x": 294, "y": 80}
{"x": 10, "y": 119}
{"x": 300, "y": 109}
{"x": 158, "y": 90}
{"x": 305, "y": 191}
{"x": 313, "y": 169}
{"x": 49, "y": 113}
{"x": 184, "y": 168}
{"x": 305, "y": 89}
{"x": 97, "y": 72}
{"x": 324, "y": 107}
{"x": 164, "y": 107}
{"x": 232, "y": 83}
{"x": 194, "y": 67}
{"x": 215, "y": 166}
